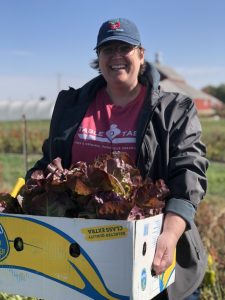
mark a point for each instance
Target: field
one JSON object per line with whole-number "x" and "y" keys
{"x": 211, "y": 213}
{"x": 214, "y": 138}
{"x": 15, "y": 137}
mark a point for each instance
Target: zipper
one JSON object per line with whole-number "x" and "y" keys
{"x": 197, "y": 252}
{"x": 153, "y": 108}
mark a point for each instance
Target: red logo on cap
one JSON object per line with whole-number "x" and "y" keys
{"x": 114, "y": 25}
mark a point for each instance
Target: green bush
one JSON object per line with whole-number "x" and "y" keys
{"x": 13, "y": 136}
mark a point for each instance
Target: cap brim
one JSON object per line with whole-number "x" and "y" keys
{"x": 118, "y": 38}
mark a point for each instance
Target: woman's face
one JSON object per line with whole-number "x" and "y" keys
{"x": 120, "y": 63}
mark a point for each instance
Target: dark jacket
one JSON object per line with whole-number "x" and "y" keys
{"x": 168, "y": 147}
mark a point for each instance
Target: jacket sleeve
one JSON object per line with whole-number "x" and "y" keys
{"x": 47, "y": 155}
{"x": 187, "y": 162}
{"x": 42, "y": 163}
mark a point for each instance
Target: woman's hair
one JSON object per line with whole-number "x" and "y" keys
{"x": 95, "y": 64}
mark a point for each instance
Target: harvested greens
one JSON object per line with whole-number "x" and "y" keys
{"x": 109, "y": 188}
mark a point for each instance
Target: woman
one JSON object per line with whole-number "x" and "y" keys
{"x": 124, "y": 109}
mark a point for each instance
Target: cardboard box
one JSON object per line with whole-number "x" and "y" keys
{"x": 61, "y": 258}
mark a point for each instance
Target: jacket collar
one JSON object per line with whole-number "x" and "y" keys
{"x": 151, "y": 75}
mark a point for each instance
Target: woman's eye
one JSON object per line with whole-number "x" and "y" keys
{"x": 108, "y": 50}
{"x": 124, "y": 49}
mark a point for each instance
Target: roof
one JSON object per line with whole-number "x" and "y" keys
{"x": 168, "y": 72}
{"x": 186, "y": 89}
{"x": 171, "y": 81}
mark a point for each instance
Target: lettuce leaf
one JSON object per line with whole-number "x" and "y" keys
{"x": 111, "y": 187}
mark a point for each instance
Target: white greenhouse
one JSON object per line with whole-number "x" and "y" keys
{"x": 32, "y": 110}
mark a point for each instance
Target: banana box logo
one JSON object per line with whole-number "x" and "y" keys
{"x": 47, "y": 251}
{"x": 164, "y": 279}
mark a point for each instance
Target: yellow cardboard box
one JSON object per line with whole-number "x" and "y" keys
{"x": 62, "y": 258}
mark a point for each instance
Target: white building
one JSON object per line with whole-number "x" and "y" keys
{"x": 32, "y": 110}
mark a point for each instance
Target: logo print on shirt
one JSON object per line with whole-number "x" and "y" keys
{"x": 112, "y": 132}
{"x": 113, "y": 135}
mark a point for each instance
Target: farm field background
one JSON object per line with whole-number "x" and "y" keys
{"x": 211, "y": 213}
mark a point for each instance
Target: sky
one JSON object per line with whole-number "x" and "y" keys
{"x": 47, "y": 45}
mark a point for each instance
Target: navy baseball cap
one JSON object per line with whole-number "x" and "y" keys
{"x": 118, "y": 30}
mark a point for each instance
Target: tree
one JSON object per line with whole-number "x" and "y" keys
{"x": 218, "y": 92}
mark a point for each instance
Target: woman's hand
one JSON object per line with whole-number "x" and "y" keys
{"x": 55, "y": 166}
{"x": 173, "y": 228}
{"x": 56, "y": 170}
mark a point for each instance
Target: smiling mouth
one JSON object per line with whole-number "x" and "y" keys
{"x": 118, "y": 67}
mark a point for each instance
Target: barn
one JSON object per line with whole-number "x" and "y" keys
{"x": 171, "y": 81}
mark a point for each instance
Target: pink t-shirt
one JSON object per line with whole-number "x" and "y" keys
{"x": 107, "y": 127}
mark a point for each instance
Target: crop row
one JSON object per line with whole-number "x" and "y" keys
{"x": 14, "y": 138}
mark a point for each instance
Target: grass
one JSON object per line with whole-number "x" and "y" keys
{"x": 216, "y": 180}
{"x": 12, "y": 166}
{"x": 211, "y": 125}
{"x": 32, "y": 125}
{"x": 213, "y": 136}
